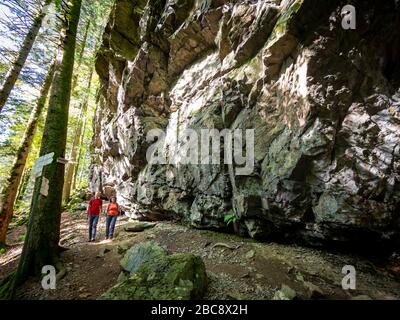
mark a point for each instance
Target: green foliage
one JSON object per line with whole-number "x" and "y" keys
{"x": 284, "y": 19}
{"x": 75, "y": 207}
{"x": 3, "y": 69}
{"x": 21, "y": 220}
{"x": 21, "y": 237}
{"x": 230, "y": 218}
{"x": 84, "y": 184}
{"x": 17, "y": 110}
{"x": 77, "y": 201}
{"x": 21, "y": 214}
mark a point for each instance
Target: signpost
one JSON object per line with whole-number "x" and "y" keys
{"x": 44, "y": 188}
{"x": 40, "y": 163}
{"x": 37, "y": 170}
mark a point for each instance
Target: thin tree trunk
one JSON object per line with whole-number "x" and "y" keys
{"x": 24, "y": 183}
{"x": 75, "y": 144}
{"x": 78, "y": 160}
{"x": 10, "y": 189}
{"x": 67, "y": 183}
{"x": 27, "y": 45}
{"x": 41, "y": 245}
{"x": 80, "y": 56}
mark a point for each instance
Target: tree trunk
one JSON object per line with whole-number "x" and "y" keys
{"x": 75, "y": 144}
{"x": 41, "y": 246}
{"x": 10, "y": 189}
{"x": 27, "y": 45}
{"x": 76, "y": 169}
{"x": 73, "y": 156}
{"x": 80, "y": 56}
{"x": 24, "y": 184}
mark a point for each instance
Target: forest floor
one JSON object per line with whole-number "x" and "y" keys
{"x": 237, "y": 268}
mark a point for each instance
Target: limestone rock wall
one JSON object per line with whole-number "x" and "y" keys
{"x": 324, "y": 104}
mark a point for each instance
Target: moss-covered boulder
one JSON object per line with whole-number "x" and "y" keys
{"x": 139, "y": 254}
{"x": 155, "y": 275}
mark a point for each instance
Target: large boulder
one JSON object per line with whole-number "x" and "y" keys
{"x": 139, "y": 254}
{"x": 323, "y": 103}
{"x": 152, "y": 274}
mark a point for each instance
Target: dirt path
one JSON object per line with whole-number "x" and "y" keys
{"x": 237, "y": 268}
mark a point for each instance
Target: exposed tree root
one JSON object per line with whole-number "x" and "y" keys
{"x": 6, "y": 287}
{"x": 62, "y": 271}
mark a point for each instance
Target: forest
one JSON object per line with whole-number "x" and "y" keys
{"x": 199, "y": 149}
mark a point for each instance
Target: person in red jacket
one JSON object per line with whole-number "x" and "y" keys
{"x": 113, "y": 210}
{"x": 94, "y": 209}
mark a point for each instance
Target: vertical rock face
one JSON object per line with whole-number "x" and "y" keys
{"x": 323, "y": 102}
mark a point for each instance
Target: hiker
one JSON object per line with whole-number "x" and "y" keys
{"x": 113, "y": 210}
{"x": 94, "y": 210}
{"x": 91, "y": 197}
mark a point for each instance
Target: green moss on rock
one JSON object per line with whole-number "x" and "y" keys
{"x": 155, "y": 275}
{"x": 139, "y": 254}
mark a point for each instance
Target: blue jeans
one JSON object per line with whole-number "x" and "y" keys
{"x": 93, "y": 226}
{"x": 110, "y": 226}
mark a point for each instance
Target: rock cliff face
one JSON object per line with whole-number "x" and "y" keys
{"x": 323, "y": 102}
